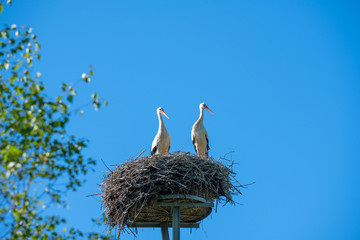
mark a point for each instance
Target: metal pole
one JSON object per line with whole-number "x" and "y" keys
{"x": 176, "y": 223}
{"x": 164, "y": 232}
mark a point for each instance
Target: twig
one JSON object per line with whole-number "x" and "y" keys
{"x": 184, "y": 145}
{"x": 140, "y": 154}
{"x": 95, "y": 194}
{"x": 106, "y": 165}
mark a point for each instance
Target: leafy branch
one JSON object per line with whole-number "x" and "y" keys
{"x": 36, "y": 150}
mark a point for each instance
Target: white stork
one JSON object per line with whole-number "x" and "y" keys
{"x": 161, "y": 143}
{"x": 199, "y": 135}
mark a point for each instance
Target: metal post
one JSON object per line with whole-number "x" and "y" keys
{"x": 176, "y": 223}
{"x": 164, "y": 232}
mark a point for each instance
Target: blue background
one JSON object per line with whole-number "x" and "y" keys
{"x": 282, "y": 78}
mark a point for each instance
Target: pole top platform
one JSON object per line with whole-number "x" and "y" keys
{"x": 192, "y": 210}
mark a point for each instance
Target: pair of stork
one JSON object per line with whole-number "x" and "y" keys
{"x": 199, "y": 137}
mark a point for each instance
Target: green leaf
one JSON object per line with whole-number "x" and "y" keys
{"x": 94, "y": 96}
{"x": 13, "y": 78}
{"x": 6, "y": 65}
{"x": 85, "y": 77}
{"x": 17, "y": 66}
{"x": 63, "y": 87}
{"x": 16, "y": 215}
{"x": 70, "y": 98}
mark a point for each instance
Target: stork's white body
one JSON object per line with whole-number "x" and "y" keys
{"x": 162, "y": 140}
{"x": 199, "y": 134}
{"x": 200, "y": 139}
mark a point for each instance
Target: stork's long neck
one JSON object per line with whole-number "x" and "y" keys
{"x": 161, "y": 123}
{"x": 201, "y": 117}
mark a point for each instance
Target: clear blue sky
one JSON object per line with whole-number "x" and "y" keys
{"x": 282, "y": 77}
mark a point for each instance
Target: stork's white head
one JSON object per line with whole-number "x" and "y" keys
{"x": 160, "y": 110}
{"x": 204, "y": 106}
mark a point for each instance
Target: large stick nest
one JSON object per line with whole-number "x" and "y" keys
{"x": 132, "y": 188}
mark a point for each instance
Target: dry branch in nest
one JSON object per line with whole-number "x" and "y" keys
{"x": 131, "y": 189}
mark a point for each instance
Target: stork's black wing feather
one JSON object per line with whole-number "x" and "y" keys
{"x": 207, "y": 142}
{"x": 153, "y": 151}
{"x": 193, "y": 141}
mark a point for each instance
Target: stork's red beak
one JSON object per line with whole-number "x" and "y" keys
{"x": 209, "y": 110}
{"x": 163, "y": 113}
